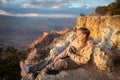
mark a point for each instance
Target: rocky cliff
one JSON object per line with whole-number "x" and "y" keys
{"x": 106, "y": 33}
{"x": 100, "y": 27}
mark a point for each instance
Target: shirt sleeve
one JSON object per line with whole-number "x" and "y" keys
{"x": 85, "y": 55}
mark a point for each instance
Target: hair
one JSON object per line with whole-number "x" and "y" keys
{"x": 85, "y": 31}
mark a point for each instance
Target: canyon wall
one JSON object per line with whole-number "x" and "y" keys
{"x": 100, "y": 27}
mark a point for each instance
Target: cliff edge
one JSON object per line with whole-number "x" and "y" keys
{"x": 105, "y": 30}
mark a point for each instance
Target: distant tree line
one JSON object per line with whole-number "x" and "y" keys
{"x": 112, "y": 9}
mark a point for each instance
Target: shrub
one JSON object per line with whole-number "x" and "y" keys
{"x": 101, "y": 10}
{"x": 112, "y": 9}
{"x": 9, "y": 64}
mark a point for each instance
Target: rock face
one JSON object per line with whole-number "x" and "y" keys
{"x": 87, "y": 72}
{"x": 100, "y": 25}
{"x": 44, "y": 41}
{"x": 106, "y": 33}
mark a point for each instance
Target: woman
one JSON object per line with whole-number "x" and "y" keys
{"x": 79, "y": 52}
{"x": 76, "y": 54}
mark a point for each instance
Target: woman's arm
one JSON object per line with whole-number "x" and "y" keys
{"x": 85, "y": 57}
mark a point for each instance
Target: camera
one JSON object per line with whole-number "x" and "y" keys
{"x": 72, "y": 49}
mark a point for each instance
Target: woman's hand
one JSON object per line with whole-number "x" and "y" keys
{"x": 68, "y": 53}
{"x": 56, "y": 59}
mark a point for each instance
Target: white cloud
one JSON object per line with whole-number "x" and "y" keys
{"x": 5, "y": 13}
{"x": 27, "y": 15}
{"x": 106, "y": 4}
{"x": 57, "y": 4}
{"x": 52, "y": 4}
{"x": 56, "y": 7}
{"x": 31, "y": 6}
{"x": 87, "y": 6}
{"x": 27, "y": 5}
{"x": 4, "y": 1}
{"x": 2, "y": 12}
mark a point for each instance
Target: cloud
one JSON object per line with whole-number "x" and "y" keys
{"x": 58, "y": 4}
{"x": 55, "y": 7}
{"x": 5, "y": 13}
{"x": 55, "y": 4}
{"x": 27, "y": 5}
{"x": 106, "y": 4}
{"x": 32, "y": 5}
{"x": 68, "y": 3}
{"x": 8, "y": 1}
{"x": 2, "y": 12}
{"x": 4, "y": 1}
{"x": 51, "y": 4}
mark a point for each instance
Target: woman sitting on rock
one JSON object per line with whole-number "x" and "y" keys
{"x": 77, "y": 54}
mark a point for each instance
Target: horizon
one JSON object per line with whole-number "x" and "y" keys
{"x": 19, "y": 32}
{"x": 22, "y": 21}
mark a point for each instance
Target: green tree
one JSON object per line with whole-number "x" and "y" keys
{"x": 101, "y": 10}
{"x": 82, "y": 14}
{"x": 9, "y": 64}
{"x": 114, "y": 8}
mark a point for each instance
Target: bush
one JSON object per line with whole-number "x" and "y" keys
{"x": 82, "y": 14}
{"x": 112, "y": 9}
{"x": 9, "y": 64}
{"x": 101, "y": 10}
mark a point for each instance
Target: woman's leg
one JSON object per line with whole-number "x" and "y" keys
{"x": 24, "y": 68}
{"x": 62, "y": 64}
{"x": 36, "y": 67}
{"x": 71, "y": 64}
{"x": 39, "y": 66}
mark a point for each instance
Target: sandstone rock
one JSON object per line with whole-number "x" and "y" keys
{"x": 102, "y": 60}
{"x": 88, "y": 72}
{"x": 81, "y": 21}
{"x": 100, "y": 26}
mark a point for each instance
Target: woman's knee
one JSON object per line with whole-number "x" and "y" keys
{"x": 61, "y": 64}
{"x": 61, "y": 60}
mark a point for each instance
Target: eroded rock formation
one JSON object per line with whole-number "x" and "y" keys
{"x": 106, "y": 33}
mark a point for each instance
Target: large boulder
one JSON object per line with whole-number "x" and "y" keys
{"x": 106, "y": 32}
{"x": 100, "y": 27}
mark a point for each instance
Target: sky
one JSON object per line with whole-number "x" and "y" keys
{"x": 49, "y": 8}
